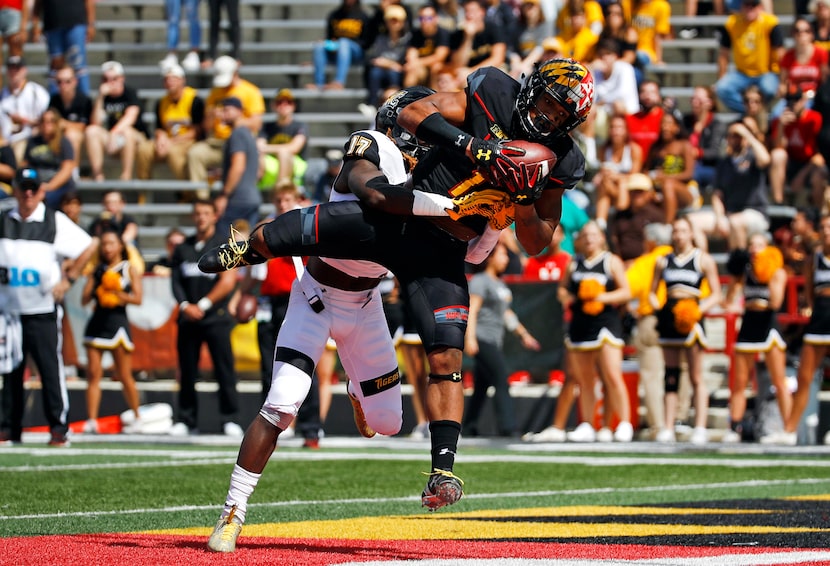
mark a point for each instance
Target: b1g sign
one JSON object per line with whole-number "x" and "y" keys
{"x": 16, "y": 277}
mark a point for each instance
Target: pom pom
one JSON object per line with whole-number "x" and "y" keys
{"x": 686, "y": 314}
{"x": 737, "y": 262}
{"x": 590, "y": 289}
{"x": 592, "y": 307}
{"x": 107, "y": 299}
{"x": 766, "y": 262}
{"x": 111, "y": 280}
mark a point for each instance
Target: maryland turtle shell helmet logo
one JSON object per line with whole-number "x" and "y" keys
{"x": 566, "y": 80}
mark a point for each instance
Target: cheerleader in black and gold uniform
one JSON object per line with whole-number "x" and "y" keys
{"x": 114, "y": 284}
{"x": 763, "y": 281}
{"x": 595, "y": 286}
{"x": 678, "y": 322}
{"x": 816, "y": 336}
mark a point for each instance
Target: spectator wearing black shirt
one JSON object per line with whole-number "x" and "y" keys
{"x": 8, "y": 166}
{"x": 483, "y": 44}
{"x": 116, "y": 127}
{"x": 345, "y": 41}
{"x": 428, "y": 49}
{"x": 74, "y": 107}
{"x": 68, "y": 26}
{"x": 386, "y": 56}
{"x": 50, "y": 153}
{"x": 113, "y": 215}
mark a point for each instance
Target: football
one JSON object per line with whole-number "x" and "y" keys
{"x": 246, "y": 308}
{"x": 521, "y": 170}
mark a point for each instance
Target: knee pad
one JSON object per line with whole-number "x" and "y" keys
{"x": 381, "y": 403}
{"x": 289, "y": 388}
{"x": 277, "y": 418}
{"x": 672, "y": 379}
{"x": 384, "y": 420}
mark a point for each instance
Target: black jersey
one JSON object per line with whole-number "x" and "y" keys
{"x": 821, "y": 272}
{"x": 598, "y": 269}
{"x": 754, "y": 290}
{"x": 683, "y": 274}
{"x": 491, "y": 102}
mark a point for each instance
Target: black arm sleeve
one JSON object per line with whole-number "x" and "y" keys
{"x": 378, "y": 193}
{"x": 435, "y": 130}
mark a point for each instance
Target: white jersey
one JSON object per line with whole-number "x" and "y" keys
{"x": 30, "y": 255}
{"x": 380, "y": 150}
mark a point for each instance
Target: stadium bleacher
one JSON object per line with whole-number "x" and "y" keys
{"x": 278, "y": 36}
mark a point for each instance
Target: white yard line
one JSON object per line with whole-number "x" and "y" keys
{"x": 375, "y": 500}
{"x": 172, "y": 457}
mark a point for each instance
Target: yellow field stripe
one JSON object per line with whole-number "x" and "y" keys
{"x": 490, "y": 525}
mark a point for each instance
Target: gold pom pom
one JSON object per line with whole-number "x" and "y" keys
{"x": 111, "y": 280}
{"x": 590, "y": 289}
{"x": 766, "y": 262}
{"x": 686, "y": 314}
{"x": 592, "y": 307}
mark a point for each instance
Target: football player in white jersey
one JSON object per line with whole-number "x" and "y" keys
{"x": 338, "y": 298}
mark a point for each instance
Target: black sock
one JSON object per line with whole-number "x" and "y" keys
{"x": 444, "y": 435}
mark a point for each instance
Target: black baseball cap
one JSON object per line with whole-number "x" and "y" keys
{"x": 26, "y": 178}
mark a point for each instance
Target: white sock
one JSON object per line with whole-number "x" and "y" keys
{"x": 242, "y": 486}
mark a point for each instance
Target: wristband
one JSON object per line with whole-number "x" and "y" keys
{"x": 435, "y": 130}
{"x": 430, "y": 204}
{"x": 183, "y": 305}
{"x": 204, "y": 304}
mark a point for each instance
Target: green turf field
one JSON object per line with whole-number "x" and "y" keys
{"x": 121, "y": 487}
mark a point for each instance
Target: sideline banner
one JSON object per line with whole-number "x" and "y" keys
{"x": 154, "y": 329}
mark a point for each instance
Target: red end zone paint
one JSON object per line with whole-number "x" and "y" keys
{"x": 139, "y": 549}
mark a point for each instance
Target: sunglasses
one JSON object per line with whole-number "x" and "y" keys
{"x": 110, "y": 79}
{"x": 802, "y": 30}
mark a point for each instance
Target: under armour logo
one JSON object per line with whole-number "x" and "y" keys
{"x": 456, "y": 376}
{"x": 459, "y": 141}
{"x": 445, "y": 451}
{"x": 520, "y": 197}
{"x": 483, "y": 154}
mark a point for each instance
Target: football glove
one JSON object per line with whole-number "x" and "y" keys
{"x": 486, "y": 202}
{"x": 499, "y": 163}
{"x": 503, "y": 218}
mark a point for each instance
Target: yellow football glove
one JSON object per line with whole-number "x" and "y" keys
{"x": 503, "y": 218}
{"x": 486, "y": 202}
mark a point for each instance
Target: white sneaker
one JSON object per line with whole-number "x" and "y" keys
{"x": 665, "y": 435}
{"x": 731, "y": 437}
{"x": 827, "y": 438}
{"x": 605, "y": 435}
{"x": 134, "y": 427}
{"x": 91, "y": 427}
{"x": 287, "y": 433}
{"x": 624, "y": 432}
{"x": 550, "y": 434}
{"x": 233, "y": 430}
{"x": 583, "y": 433}
{"x": 191, "y": 62}
{"x": 179, "y": 429}
{"x": 699, "y": 436}
{"x": 170, "y": 61}
{"x": 780, "y": 438}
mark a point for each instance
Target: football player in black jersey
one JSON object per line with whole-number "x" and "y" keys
{"x": 425, "y": 246}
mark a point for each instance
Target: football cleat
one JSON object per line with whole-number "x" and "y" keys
{"x": 228, "y": 256}
{"x": 443, "y": 488}
{"x": 225, "y": 533}
{"x": 360, "y": 418}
